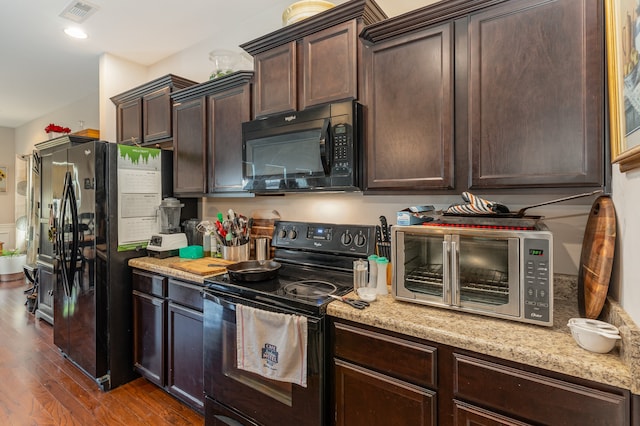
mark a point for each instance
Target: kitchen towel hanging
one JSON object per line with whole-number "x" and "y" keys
{"x": 271, "y": 344}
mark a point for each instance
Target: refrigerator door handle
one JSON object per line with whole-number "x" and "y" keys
{"x": 60, "y": 241}
{"x": 73, "y": 260}
{"x": 66, "y": 264}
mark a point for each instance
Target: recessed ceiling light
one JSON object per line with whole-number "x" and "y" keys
{"x": 75, "y": 32}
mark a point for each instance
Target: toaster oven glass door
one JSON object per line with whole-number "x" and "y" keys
{"x": 486, "y": 274}
{"x": 466, "y": 271}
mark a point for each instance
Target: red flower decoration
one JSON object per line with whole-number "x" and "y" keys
{"x": 57, "y": 129}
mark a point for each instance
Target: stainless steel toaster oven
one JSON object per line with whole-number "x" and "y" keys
{"x": 505, "y": 273}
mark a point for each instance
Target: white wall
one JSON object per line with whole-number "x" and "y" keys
{"x": 625, "y": 285}
{"x": 85, "y": 110}
{"x": 566, "y": 221}
{"x": 116, "y": 76}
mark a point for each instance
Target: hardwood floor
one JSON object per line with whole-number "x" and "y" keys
{"x": 38, "y": 386}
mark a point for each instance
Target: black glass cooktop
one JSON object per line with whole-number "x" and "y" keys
{"x": 295, "y": 287}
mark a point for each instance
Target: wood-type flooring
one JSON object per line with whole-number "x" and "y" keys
{"x": 38, "y": 386}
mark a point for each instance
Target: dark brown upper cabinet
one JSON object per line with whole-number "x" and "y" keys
{"x": 144, "y": 113}
{"x": 313, "y": 61}
{"x": 486, "y": 95}
{"x": 207, "y": 146}
{"x": 410, "y": 104}
{"x": 536, "y": 85}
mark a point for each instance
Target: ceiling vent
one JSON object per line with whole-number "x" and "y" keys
{"x": 79, "y": 11}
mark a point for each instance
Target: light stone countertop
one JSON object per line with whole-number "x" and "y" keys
{"x": 550, "y": 348}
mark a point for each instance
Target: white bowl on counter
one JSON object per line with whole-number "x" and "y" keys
{"x": 368, "y": 294}
{"x": 593, "y": 335}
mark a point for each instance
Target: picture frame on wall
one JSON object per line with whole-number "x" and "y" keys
{"x": 623, "y": 66}
{"x": 3, "y": 179}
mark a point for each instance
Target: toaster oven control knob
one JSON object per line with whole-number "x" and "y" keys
{"x": 346, "y": 238}
{"x": 293, "y": 234}
{"x": 360, "y": 240}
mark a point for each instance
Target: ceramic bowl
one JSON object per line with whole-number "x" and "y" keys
{"x": 592, "y": 335}
{"x": 368, "y": 294}
{"x": 303, "y": 9}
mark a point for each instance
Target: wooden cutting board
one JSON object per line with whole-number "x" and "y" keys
{"x": 203, "y": 266}
{"x": 596, "y": 259}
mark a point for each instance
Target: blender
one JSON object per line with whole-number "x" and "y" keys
{"x": 170, "y": 240}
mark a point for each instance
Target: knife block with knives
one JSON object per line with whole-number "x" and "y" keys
{"x": 383, "y": 244}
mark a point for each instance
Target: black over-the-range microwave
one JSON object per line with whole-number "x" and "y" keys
{"x": 318, "y": 149}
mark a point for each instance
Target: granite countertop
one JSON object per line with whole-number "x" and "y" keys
{"x": 550, "y": 348}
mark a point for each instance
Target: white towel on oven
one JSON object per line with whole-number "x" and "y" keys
{"x": 271, "y": 344}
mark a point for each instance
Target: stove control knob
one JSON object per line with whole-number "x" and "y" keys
{"x": 283, "y": 233}
{"x": 293, "y": 234}
{"x": 346, "y": 238}
{"x": 360, "y": 240}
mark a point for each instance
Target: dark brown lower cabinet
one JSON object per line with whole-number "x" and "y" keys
{"x": 149, "y": 325}
{"x": 535, "y": 397}
{"x": 167, "y": 318}
{"x": 382, "y": 378}
{"x": 185, "y": 344}
{"x": 46, "y": 283}
{"x": 366, "y": 397}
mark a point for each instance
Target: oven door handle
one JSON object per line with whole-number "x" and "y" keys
{"x": 230, "y": 302}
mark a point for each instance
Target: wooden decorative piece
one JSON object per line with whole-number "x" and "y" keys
{"x": 596, "y": 260}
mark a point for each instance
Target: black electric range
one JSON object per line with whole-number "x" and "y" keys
{"x": 317, "y": 261}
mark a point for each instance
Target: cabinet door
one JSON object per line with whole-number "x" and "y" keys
{"x": 410, "y": 121}
{"x": 226, "y": 113}
{"x": 329, "y": 68}
{"x": 189, "y": 155}
{"x": 185, "y": 355}
{"x": 276, "y": 88}
{"x": 129, "y": 121}
{"x": 156, "y": 109}
{"x": 45, "y": 293}
{"x": 364, "y": 397}
{"x": 149, "y": 330}
{"x": 536, "y": 94}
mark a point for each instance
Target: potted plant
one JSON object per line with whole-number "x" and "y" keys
{"x": 11, "y": 264}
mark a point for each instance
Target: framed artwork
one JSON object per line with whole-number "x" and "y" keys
{"x": 623, "y": 65}
{"x": 3, "y": 179}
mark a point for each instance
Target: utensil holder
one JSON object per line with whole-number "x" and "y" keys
{"x": 236, "y": 253}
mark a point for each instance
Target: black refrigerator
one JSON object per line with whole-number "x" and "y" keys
{"x": 92, "y": 290}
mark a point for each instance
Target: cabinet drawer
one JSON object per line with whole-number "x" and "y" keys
{"x": 150, "y": 284}
{"x": 465, "y": 414}
{"x": 185, "y": 294}
{"x": 399, "y": 358}
{"x": 534, "y": 397}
